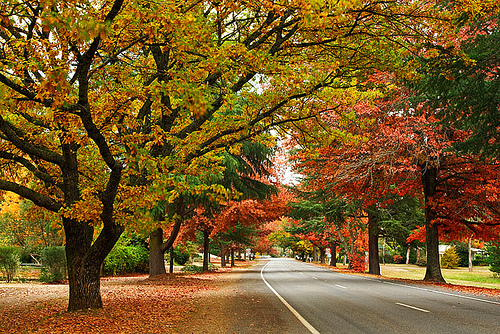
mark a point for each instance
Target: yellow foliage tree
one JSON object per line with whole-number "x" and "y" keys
{"x": 108, "y": 108}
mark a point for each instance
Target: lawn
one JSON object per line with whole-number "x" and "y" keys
{"x": 480, "y": 276}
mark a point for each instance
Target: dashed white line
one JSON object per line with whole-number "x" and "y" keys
{"x": 340, "y": 286}
{"x": 295, "y": 313}
{"x": 446, "y": 293}
{"x": 413, "y": 307}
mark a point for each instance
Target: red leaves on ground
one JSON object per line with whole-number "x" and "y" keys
{"x": 131, "y": 305}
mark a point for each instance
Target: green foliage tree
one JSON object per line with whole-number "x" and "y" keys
{"x": 493, "y": 258}
{"x": 463, "y": 82}
{"x": 9, "y": 261}
{"x": 53, "y": 264}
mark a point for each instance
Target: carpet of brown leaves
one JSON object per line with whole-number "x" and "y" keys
{"x": 133, "y": 304}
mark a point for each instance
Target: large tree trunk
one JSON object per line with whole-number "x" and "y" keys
{"x": 232, "y": 257}
{"x": 156, "y": 253}
{"x": 206, "y": 250}
{"x": 433, "y": 271}
{"x": 84, "y": 261}
{"x": 373, "y": 232}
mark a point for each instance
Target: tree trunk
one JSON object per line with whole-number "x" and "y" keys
{"x": 433, "y": 271}
{"x": 84, "y": 261}
{"x": 157, "y": 247}
{"x": 373, "y": 232}
{"x": 171, "y": 264}
{"x": 470, "y": 254}
{"x": 206, "y": 250}
{"x": 84, "y": 287}
{"x": 322, "y": 255}
{"x": 222, "y": 255}
{"x": 333, "y": 252}
{"x": 408, "y": 255}
{"x": 315, "y": 253}
{"x": 383, "y": 250}
{"x": 156, "y": 253}
{"x": 232, "y": 257}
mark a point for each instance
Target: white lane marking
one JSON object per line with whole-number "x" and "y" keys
{"x": 340, "y": 286}
{"x": 314, "y": 277}
{"x": 447, "y": 293}
{"x": 295, "y": 313}
{"x": 413, "y": 307}
{"x": 424, "y": 289}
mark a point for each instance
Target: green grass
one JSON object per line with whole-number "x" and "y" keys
{"x": 480, "y": 276}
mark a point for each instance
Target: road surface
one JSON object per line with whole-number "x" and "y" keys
{"x": 303, "y": 298}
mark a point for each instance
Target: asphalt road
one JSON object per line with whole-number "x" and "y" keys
{"x": 309, "y": 299}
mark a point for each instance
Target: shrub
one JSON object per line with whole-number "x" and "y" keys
{"x": 398, "y": 259}
{"x": 450, "y": 258}
{"x": 357, "y": 263}
{"x": 493, "y": 258}
{"x": 422, "y": 262}
{"x": 462, "y": 249}
{"x": 9, "y": 262}
{"x": 125, "y": 259}
{"x": 181, "y": 256}
{"x": 194, "y": 269}
{"x": 53, "y": 264}
{"x": 388, "y": 258}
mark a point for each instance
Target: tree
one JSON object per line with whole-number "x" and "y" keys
{"x": 246, "y": 176}
{"x": 108, "y": 108}
{"x": 462, "y": 80}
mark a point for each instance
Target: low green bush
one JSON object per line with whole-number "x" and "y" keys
{"x": 9, "y": 262}
{"x": 125, "y": 259}
{"x": 53, "y": 264}
{"x": 192, "y": 268}
{"x": 422, "y": 262}
{"x": 181, "y": 256}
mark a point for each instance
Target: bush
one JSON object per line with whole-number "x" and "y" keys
{"x": 194, "y": 269}
{"x": 181, "y": 256}
{"x": 9, "y": 262}
{"x": 422, "y": 262}
{"x": 493, "y": 258}
{"x": 462, "y": 250}
{"x": 53, "y": 264}
{"x": 388, "y": 258}
{"x": 450, "y": 259}
{"x": 125, "y": 259}
{"x": 357, "y": 263}
{"x": 398, "y": 259}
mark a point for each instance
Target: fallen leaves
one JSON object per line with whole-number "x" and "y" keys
{"x": 135, "y": 304}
